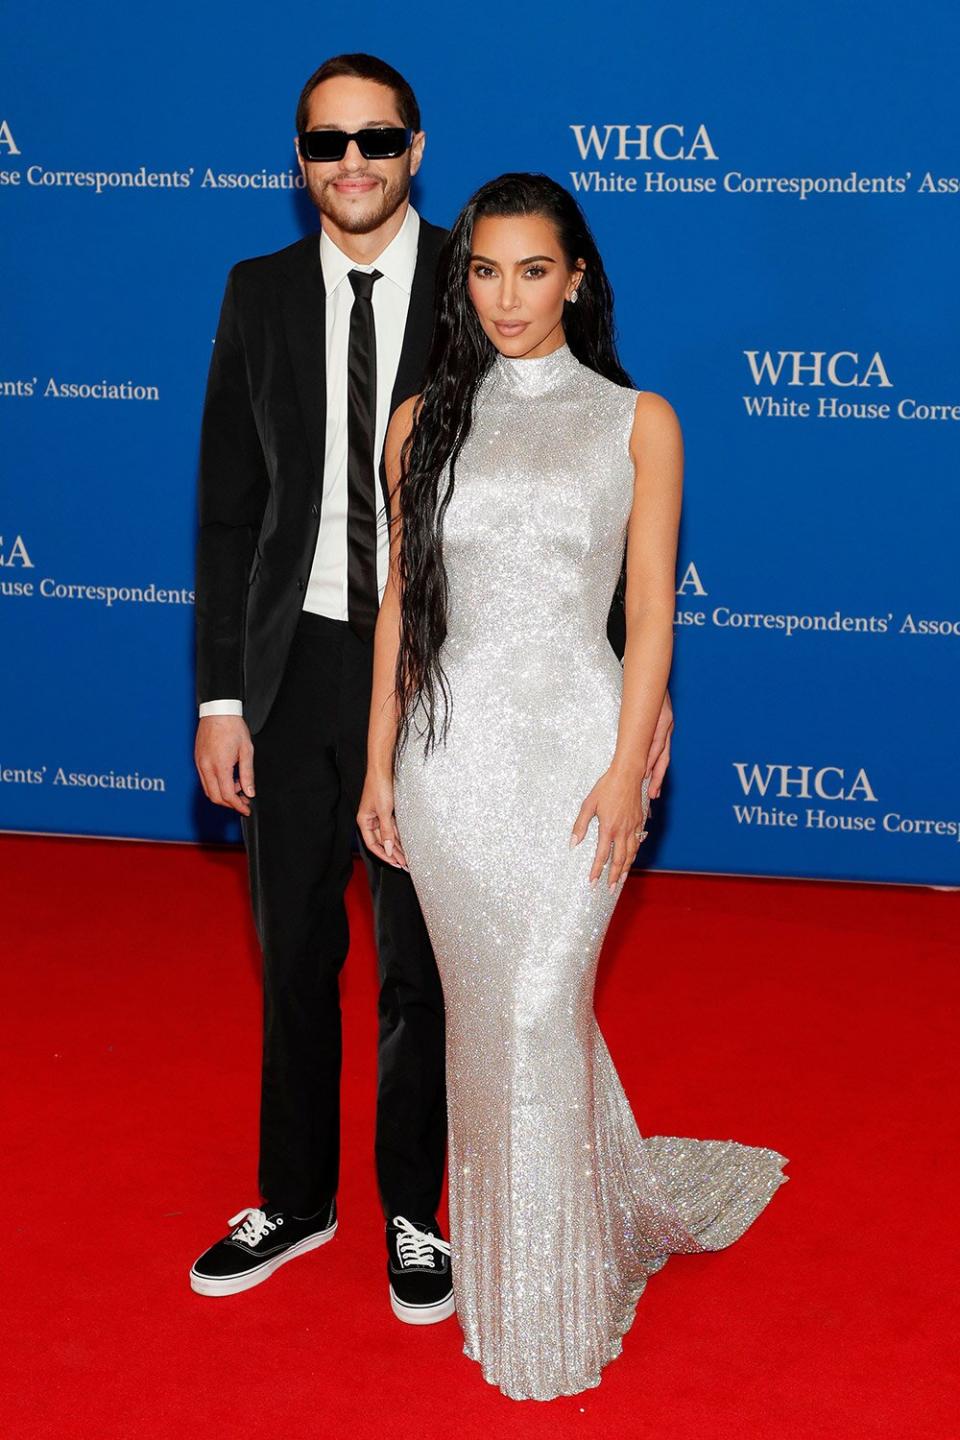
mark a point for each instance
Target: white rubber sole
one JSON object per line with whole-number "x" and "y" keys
{"x": 234, "y": 1284}
{"x": 422, "y": 1314}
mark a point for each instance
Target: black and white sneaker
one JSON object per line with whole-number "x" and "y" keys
{"x": 418, "y": 1266}
{"x": 262, "y": 1242}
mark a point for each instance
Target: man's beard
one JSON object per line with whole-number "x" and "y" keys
{"x": 349, "y": 217}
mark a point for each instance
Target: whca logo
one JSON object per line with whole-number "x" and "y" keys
{"x": 816, "y": 367}
{"x": 803, "y": 782}
{"x": 643, "y": 142}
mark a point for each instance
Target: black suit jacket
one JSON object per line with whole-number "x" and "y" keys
{"x": 262, "y": 459}
{"x": 261, "y": 464}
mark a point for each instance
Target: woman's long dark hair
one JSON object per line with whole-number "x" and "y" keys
{"x": 460, "y": 357}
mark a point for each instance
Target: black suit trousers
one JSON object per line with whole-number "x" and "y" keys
{"x": 309, "y": 760}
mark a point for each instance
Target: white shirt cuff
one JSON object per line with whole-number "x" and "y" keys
{"x": 221, "y": 707}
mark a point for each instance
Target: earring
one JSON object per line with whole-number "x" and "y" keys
{"x": 573, "y": 298}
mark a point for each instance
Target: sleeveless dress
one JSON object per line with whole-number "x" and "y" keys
{"x": 559, "y": 1210}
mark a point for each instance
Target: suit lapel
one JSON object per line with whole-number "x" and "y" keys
{"x": 418, "y": 330}
{"x": 304, "y": 319}
{"x": 416, "y": 335}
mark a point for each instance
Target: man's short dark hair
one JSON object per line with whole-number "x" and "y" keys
{"x": 362, "y": 67}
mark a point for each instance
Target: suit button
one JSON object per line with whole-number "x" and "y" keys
{"x": 314, "y": 510}
{"x": 299, "y": 583}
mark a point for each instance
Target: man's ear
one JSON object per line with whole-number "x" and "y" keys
{"x": 416, "y": 150}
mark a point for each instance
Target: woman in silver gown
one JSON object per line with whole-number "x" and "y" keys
{"x": 517, "y": 736}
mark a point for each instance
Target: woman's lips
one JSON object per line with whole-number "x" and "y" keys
{"x": 511, "y": 327}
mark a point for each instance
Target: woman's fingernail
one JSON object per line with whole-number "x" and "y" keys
{"x": 388, "y": 846}
{"x": 573, "y": 841}
{"x": 593, "y": 883}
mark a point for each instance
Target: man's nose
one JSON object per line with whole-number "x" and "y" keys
{"x": 352, "y": 159}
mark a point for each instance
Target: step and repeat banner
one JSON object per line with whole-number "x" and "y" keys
{"x": 776, "y": 194}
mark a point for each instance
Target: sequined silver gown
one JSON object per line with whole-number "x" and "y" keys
{"x": 559, "y": 1210}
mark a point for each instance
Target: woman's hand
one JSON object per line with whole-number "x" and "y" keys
{"x": 617, "y": 802}
{"x": 378, "y": 827}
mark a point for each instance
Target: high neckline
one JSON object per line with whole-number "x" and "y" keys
{"x": 535, "y": 377}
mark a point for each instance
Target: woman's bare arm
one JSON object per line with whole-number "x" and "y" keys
{"x": 656, "y": 446}
{"x": 657, "y": 449}
{"x": 375, "y": 815}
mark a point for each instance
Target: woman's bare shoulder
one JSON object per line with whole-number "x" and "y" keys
{"x": 401, "y": 421}
{"x": 654, "y": 410}
{"x": 398, "y": 431}
{"x": 655, "y": 422}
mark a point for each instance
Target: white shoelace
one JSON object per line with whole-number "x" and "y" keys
{"x": 416, "y": 1247}
{"x": 253, "y": 1227}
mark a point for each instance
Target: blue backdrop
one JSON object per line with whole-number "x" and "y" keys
{"x": 775, "y": 192}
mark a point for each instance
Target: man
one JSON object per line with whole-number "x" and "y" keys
{"x": 317, "y": 345}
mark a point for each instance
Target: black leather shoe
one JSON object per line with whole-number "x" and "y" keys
{"x": 262, "y": 1242}
{"x": 418, "y": 1267}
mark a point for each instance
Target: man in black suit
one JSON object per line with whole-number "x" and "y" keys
{"x": 316, "y": 346}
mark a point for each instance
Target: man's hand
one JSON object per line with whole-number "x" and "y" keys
{"x": 224, "y": 751}
{"x": 659, "y": 756}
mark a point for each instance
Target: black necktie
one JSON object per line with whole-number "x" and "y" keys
{"x": 362, "y": 487}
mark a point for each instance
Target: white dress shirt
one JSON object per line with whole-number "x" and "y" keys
{"x": 326, "y": 592}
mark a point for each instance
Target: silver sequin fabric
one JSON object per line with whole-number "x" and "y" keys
{"x": 559, "y": 1209}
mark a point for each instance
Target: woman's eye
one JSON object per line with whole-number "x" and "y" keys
{"x": 482, "y": 271}
{"x": 536, "y": 271}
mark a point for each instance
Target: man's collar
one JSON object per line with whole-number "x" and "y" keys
{"x": 397, "y": 262}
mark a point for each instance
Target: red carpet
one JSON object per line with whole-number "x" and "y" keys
{"x": 812, "y": 1018}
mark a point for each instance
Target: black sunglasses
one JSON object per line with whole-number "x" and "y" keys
{"x": 330, "y": 145}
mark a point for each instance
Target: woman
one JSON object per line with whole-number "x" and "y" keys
{"x": 521, "y": 471}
